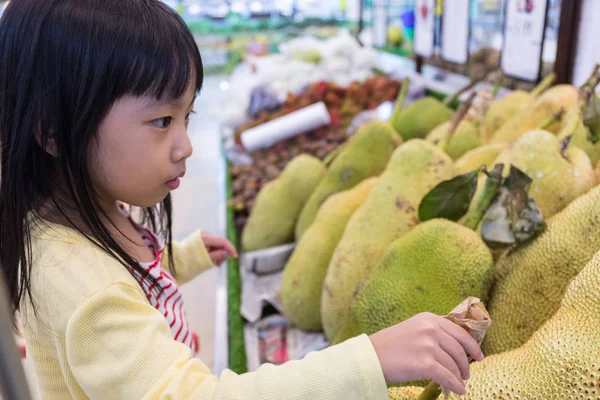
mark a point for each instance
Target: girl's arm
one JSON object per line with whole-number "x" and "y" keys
{"x": 119, "y": 347}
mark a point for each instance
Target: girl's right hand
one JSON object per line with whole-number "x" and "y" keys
{"x": 426, "y": 346}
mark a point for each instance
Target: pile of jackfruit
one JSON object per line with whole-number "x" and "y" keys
{"x": 498, "y": 200}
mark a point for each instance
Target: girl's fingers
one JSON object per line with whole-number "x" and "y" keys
{"x": 457, "y": 352}
{"x": 447, "y": 362}
{"x": 462, "y": 337}
{"x": 445, "y": 378}
{"x": 220, "y": 243}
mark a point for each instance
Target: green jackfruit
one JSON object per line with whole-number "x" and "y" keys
{"x": 505, "y": 108}
{"x": 558, "y": 176}
{"x": 476, "y": 158}
{"x": 466, "y": 137}
{"x": 303, "y": 276}
{"x": 432, "y": 268}
{"x": 420, "y": 117}
{"x": 560, "y": 361}
{"x": 502, "y": 110}
{"x": 581, "y": 136}
{"x": 389, "y": 211}
{"x": 530, "y": 282}
{"x": 279, "y": 203}
{"x": 366, "y": 155}
{"x": 548, "y": 106}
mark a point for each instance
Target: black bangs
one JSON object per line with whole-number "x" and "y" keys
{"x": 137, "y": 47}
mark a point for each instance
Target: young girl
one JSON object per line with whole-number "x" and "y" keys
{"x": 95, "y": 97}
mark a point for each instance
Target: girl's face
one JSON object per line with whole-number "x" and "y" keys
{"x": 142, "y": 149}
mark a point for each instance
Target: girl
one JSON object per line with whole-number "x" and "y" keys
{"x": 95, "y": 97}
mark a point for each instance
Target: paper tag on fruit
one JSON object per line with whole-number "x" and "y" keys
{"x": 474, "y": 318}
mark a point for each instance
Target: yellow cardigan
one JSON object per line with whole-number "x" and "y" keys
{"x": 96, "y": 336}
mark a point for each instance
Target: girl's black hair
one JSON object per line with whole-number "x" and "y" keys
{"x": 64, "y": 64}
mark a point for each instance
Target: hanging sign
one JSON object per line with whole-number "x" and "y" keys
{"x": 424, "y": 27}
{"x": 455, "y": 31}
{"x": 525, "y": 23}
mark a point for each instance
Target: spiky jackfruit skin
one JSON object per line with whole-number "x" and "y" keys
{"x": 560, "y": 361}
{"x": 390, "y": 210}
{"x": 366, "y": 155}
{"x": 279, "y": 203}
{"x": 476, "y": 158}
{"x": 404, "y": 393}
{"x": 558, "y": 177}
{"x": 505, "y": 108}
{"x": 560, "y": 98}
{"x": 303, "y": 276}
{"x": 421, "y": 117}
{"x": 531, "y": 281}
{"x": 580, "y": 137}
{"x": 465, "y": 138}
{"x": 430, "y": 269}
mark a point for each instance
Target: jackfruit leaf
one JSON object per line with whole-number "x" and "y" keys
{"x": 450, "y": 199}
{"x": 513, "y": 218}
{"x": 591, "y": 119}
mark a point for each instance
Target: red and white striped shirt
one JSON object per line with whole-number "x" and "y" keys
{"x": 170, "y": 302}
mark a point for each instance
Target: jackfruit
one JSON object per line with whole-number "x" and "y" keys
{"x": 466, "y": 137}
{"x": 560, "y": 361}
{"x": 580, "y": 137}
{"x": 421, "y": 117}
{"x": 559, "y": 176}
{"x": 389, "y": 211}
{"x": 404, "y": 393}
{"x": 303, "y": 276}
{"x": 530, "y": 282}
{"x": 476, "y": 158}
{"x": 548, "y": 107}
{"x": 432, "y": 268}
{"x": 278, "y": 204}
{"x": 505, "y": 108}
{"x": 365, "y": 156}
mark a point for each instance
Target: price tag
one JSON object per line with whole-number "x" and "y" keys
{"x": 455, "y": 31}
{"x": 524, "y": 38}
{"x": 424, "y": 27}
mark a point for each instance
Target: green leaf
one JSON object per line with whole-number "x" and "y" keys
{"x": 591, "y": 119}
{"x": 450, "y": 199}
{"x": 513, "y": 218}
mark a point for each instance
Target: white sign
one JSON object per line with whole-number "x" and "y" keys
{"x": 424, "y": 27}
{"x": 380, "y": 22}
{"x": 523, "y": 38}
{"x": 455, "y": 31}
{"x": 587, "y": 53}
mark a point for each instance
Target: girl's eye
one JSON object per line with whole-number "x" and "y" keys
{"x": 162, "y": 123}
{"x": 187, "y": 117}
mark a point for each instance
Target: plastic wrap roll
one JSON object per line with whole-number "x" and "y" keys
{"x": 303, "y": 120}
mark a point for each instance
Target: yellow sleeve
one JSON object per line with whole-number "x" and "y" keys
{"x": 190, "y": 257}
{"x": 119, "y": 347}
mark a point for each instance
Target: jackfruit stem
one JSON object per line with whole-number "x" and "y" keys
{"x": 452, "y": 98}
{"x": 543, "y": 85}
{"x": 554, "y": 118}
{"x": 401, "y": 98}
{"x": 458, "y": 117}
{"x": 431, "y": 392}
{"x": 492, "y": 185}
{"x": 497, "y": 84}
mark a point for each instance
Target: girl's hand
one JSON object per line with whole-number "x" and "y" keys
{"x": 218, "y": 248}
{"x": 426, "y": 346}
